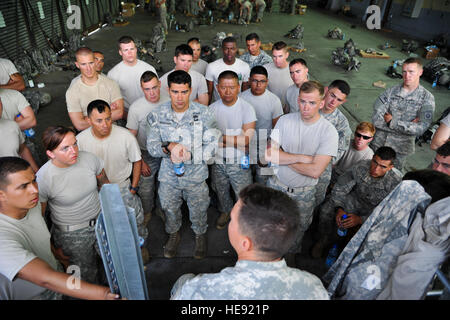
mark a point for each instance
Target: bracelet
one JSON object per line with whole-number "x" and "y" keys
{"x": 136, "y": 189}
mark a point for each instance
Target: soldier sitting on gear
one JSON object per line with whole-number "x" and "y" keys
{"x": 263, "y": 226}
{"x": 357, "y": 192}
{"x": 403, "y": 112}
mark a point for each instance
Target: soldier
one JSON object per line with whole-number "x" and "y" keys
{"x": 28, "y": 268}
{"x": 298, "y": 71}
{"x": 99, "y": 61}
{"x": 442, "y": 160}
{"x": 198, "y": 64}
{"x": 245, "y": 11}
{"x": 278, "y": 71}
{"x": 120, "y": 152}
{"x": 228, "y": 62}
{"x": 403, "y": 112}
{"x": 268, "y": 110}
{"x": 137, "y": 124}
{"x": 336, "y": 95}
{"x": 255, "y": 56}
{"x": 10, "y": 78}
{"x": 261, "y": 272}
{"x": 128, "y": 72}
{"x": 183, "y": 134}
{"x": 357, "y": 192}
{"x": 183, "y": 61}
{"x": 442, "y": 133}
{"x": 89, "y": 87}
{"x": 302, "y": 145}
{"x": 162, "y": 12}
{"x": 260, "y": 6}
{"x": 359, "y": 150}
{"x": 236, "y": 120}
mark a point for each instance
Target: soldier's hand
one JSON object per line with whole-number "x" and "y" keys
{"x": 352, "y": 220}
{"x": 59, "y": 255}
{"x": 146, "y": 171}
{"x": 387, "y": 117}
{"x": 339, "y": 219}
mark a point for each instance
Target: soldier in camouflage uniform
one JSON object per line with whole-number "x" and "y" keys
{"x": 357, "y": 192}
{"x": 183, "y": 131}
{"x": 260, "y": 272}
{"x": 255, "y": 56}
{"x": 336, "y": 95}
{"x": 403, "y": 112}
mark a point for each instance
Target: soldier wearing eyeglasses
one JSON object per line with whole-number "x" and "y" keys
{"x": 356, "y": 193}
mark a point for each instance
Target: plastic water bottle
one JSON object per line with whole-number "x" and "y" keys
{"x": 342, "y": 232}
{"x": 179, "y": 169}
{"x": 332, "y": 256}
{"x": 245, "y": 162}
{"x": 28, "y": 132}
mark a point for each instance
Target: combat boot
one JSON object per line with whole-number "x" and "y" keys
{"x": 200, "y": 246}
{"x": 319, "y": 246}
{"x": 223, "y": 220}
{"x": 170, "y": 248}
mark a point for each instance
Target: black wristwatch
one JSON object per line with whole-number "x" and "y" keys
{"x": 135, "y": 189}
{"x": 164, "y": 145}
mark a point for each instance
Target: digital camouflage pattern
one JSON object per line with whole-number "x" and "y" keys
{"x": 147, "y": 185}
{"x": 262, "y": 59}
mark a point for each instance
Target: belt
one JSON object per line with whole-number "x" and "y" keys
{"x": 76, "y": 227}
{"x": 289, "y": 189}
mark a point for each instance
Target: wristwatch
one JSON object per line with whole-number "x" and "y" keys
{"x": 135, "y": 189}
{"x": 164, "y": 145}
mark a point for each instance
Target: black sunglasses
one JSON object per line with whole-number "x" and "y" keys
{"x": 359, "y": 135}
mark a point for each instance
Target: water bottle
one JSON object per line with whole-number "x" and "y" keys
{"x": 179, "y": 169}
{"x": 342, "y": 232}
{"x": 332, "y": 256}
{"x": 28, "y": 132}
{"x": 435, "y": 82}
{"x": 245, "y": 162}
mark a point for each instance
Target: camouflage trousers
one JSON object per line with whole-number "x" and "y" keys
{"x": 147, "y": 185}
{"x": 163, "y": 17}
{"x": 260, "y": 12}
{"x": 79, "y": 246}
{"x": 133, "y": 201}
{"x": 327, "y": 214}
{"x": 197, "y": 199}
{"x": 304, "y": 196}
{"x": 224, "y": 175}
{"x": 322, "y": 185}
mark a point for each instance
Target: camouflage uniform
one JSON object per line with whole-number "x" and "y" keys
{"x": 372, "y": 252}
{"x": 305, "y": 198}
{"x": 79, "y": 245}
{"x": 400, "y": 133}
{"x": 147, "y": 184}
{"x": 262, "y": 59}
{"x": 249, "y": 280}
{"x": 133, "y": 201}
{"x": 340, "y": 122}
{"x": 196, "y": 130}
{"x": 358, "y": 193}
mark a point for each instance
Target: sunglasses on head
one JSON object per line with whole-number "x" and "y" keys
{"x": 359, "y": 135}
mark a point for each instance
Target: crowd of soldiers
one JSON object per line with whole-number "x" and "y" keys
{"x": 207, "y": 129}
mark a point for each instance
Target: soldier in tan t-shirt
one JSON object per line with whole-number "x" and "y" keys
{"x": 89, "y": 87}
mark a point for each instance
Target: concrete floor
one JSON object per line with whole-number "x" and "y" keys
{"x": 161, "y": 273}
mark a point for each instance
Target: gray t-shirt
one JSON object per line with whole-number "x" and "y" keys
{"x": 200, "y": 66}
{"x": 137, "y": 117}
{"x": 292, "y": 94}
{"x": 13, "y": 103}
{"x": 230, "y": 120}
{"x": 71, "y": 193}
{"x": 298, "y": 137}
{"x": 7, "y": 68}
{"x": 198, "y": 84}
{"x": 21, "y": 241}
{"x": 279, "y": 81}
{"x": 11, "y": 138}
{"x": 352, "y": 157}
{"x": 129, "y": 80}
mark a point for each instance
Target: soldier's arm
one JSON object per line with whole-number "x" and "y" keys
{"x": 136, "y": 175}
{"x": 241, "y": 141}
{"x": 277, "y": 155}
{"x": 343, "y": 186}
{"x": 440, "y": 137}
{"x": 210, "y": 90}
{"x": 380, "y": 107}
{"x": 154, "y": 137}
{"x": 315, "y": 168}
{"x": 15, "y": 82}
{"x": 27, "y": 120}
{"x": 345, "y": 135}
{"x": 414, "y": 127}
{"x": 79, "y": 121}
{"x": 117, "y": 109}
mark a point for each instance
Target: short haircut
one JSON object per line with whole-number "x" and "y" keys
{"x": 228, "y": 74}
{"x": 125, "y": 40}
{"x": 193, "y": 40}
{"x": 298, "y": 60}
{"x": 10, "y": 165}
{"x": 229, "y": 39}
{"x": 341, "y": 85}
{"x": 183, "y": 49}
{"x": 310, "y": 86}
{"x": 100, "y": 105}
{"x": 96, "y": 51}
{"x": 413, "y": 60}
{"x": 279, "y": 45}
{"x": 53, "y": 136}
{"x": 435, "y": 183}
{"x": 259, "y": 70}
{"x": 270, "y": 218}
{"x": 83, "y": 51}
{"x": 148, "y": 76}
{"x": 366, "y": 126}
{"x": 179, "y": 77}
{"x": 252, "y": 36}
{"x": 386, "y": 153}
{"x": 444, "y": 150}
